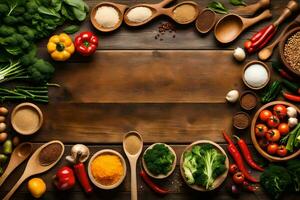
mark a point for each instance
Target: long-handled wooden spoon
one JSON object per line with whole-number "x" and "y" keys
{"x": 19, "y": 155}
{"x": 267, "y": 52}
{"x": 251, "y": 9}
{"x": 133, "y": 145}
{"x": 231, "y": 26}
{"x": 41, "y": 160}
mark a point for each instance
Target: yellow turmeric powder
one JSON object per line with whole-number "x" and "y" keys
{"x": 107, "y": 169}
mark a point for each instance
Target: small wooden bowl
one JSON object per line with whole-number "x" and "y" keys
{"x": 160, "y": 176}
{"x": 253, "y": 136}
{"x": 200, "y": 19}
{"x": 170, "y": 11}
{"x": 219, "y": 180}
{"x": 119, "y": 7}
{"x": 265, "y": 66}
{"x": 281, "y": 50}
{"x": 31, "y": 110}
{"x": 94, "y": 181}
{"x": 241, "y": 97}
{"x": 241, "y": 128}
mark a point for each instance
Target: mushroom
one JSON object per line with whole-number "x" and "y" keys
{"x": 79, "y": 153}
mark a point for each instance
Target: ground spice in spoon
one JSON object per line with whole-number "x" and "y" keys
{"x": 184, "y": 13}
{"x": 50, "y": 154}
{"x": 132, "y": 144}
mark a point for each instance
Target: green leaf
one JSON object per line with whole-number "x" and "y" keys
{"x": 14, "y": 50}
{"x": 72, "y": 29}
{"x": 48, "y": 11}
{"x": 65, "y": 11}
{"x": 79, "y": 14}
{"x": 76, "y": 3}
{"x": 56, "y": 4}
{"x": 218, "y": 7}
{"x": 237, "y": 2}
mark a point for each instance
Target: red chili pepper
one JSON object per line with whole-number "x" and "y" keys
{"x": 265, "y": 36}
{"x": 238, "y": 158}
{"x": 247, "y": 154}
{"x": 86, "y": 43}
{"x": 291, "y": 97}
{"x": 249, "y": 187}
{"x": 152, "y": 185}
{"x": 256, "y": 36}
{"x": 64, "y": 178}
{"x": 266, "y": 40}
{"x": 277, "y": 67}
{"x": 82, "y": 177}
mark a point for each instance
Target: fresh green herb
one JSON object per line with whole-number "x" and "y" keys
{"x": 159, "y": 159}
{"x": 291, "y": 139}
{"x": 203, "y": 164}
{"x": 218, "y": 7}
{"x": 275, "y": 180}
{"x": 72, "y": 29}
{"x": 272, "y": 92}
{"x": 294, "y": 169}
{"x": 237, "y": 2}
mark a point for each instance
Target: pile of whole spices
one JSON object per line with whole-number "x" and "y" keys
{"x": 241, "y": 120}
{"x": 248, "y": 101}
{"x": 291, "y": 51}
{"x": 165, "y": 28}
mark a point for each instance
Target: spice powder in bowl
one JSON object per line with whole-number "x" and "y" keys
{"x": 241, "y": 120}
{"x": 291, "y": 51}
{"x": 248, "y": 100}
{"x": 107, "y": 16}
{"x": 184, "y": 13}
{"x": 139, "y": 14}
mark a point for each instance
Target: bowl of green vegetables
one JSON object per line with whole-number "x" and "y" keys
{"x": 159, "y": 160}
{"x": 204, "y": 165}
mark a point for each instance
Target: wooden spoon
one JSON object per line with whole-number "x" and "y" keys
{"x": 19, "y": 155}
{"x": 119, "y": 7}
{"x": 267, "y": 52}
{"x": 133, "y": 145}
{"x": 204, "y": 24}
{"x": 157, "y": 9}
{"x": 229, "y": 27}
{"x": 36, "y": 165}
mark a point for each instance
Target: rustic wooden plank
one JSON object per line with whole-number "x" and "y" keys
{"x": 150, "y": 76}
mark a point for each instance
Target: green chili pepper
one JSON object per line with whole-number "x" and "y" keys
{"x": 7, "y": 147}
{"x": 272, "y": 92}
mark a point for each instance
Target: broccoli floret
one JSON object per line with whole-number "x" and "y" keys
{"x": 275, "y": 180}
{"x": 41, "y": 71}
{"x": 189, "y": 166}
{"x": 6, "y": 30}
{"x": 28, "y": 33}
{"x": 159, "y": 159}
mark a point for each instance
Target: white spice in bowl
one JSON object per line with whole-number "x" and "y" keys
{"x": 139, "y": 14}
{"x": 107, "y": 16}
{"x": 256, "y": 75}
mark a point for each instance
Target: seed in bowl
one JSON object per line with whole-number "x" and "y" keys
{"x": 291, "y": 51}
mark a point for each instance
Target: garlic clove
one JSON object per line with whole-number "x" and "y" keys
{"x": 292, "y": 122}
{"x": 239, "y": 54}
{"x": 232, "y": 96}
{"x": 291, "y": 112}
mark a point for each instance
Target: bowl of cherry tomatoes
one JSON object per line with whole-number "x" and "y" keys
{"x": 270, "y": 124}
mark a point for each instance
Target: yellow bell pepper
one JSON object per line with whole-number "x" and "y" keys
{"x": 60, "y": 47}
{"x": 36, "y": 187}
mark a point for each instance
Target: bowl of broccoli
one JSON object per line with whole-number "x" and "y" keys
{"x": 159, "y": 160}
{"x": 204, "y": 165}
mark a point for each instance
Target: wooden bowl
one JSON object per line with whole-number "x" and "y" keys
{"x": 242, "y": 96}
{"x": 265, "y": 66}
{"x": 200, "y": 19}
{"x": 160, "y": 176}
{"x": 94, "y": 181}
{"x": 281, "y": 50}
{"x": 239, "y": 127}
{"x": 119, "y": 7}
{"x": 219, "y": 180}
{"x": 254, "y": 140}
{"x": 24, "y": 115}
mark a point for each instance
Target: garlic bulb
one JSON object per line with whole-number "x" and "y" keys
{"x": 239, "y": 54}
{"x": 292, "y": 122}
{"x": 291, "y": 112}
{"x": 232, "y": 96}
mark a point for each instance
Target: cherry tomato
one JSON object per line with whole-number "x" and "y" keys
{"x": 280, "y": 111}
{"x": 273, "y": 135}
{"x": 238, "y": 178}
{"x": 233, "y": 168}
{"x": 265, "y": 115}
{"x": 273, "y": 121}
{"x": 272, "y": 148}
{"x": 263, "y": 143}
{"x": 281, "y": 151}
{"x": 260, "y": 130}
{"x": 247, "y": 44}
{"x": 283, "y": 128}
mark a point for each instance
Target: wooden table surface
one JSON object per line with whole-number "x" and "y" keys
{"x": 169, "y": 90}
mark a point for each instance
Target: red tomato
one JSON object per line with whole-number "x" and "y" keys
{"x": 280, "y": 111}
{"x": 265, "y": 115}
{"x": 273, "y": 121}
{"x": 233, "y": 168}
{"x": 238, "y": 178}
{"x": 247, "y": 44}
{"x": 281, "y": 151}
{"x": 273, "y": 135}
{"x": 283, "y": 128}
{"x": 272, "y": 148}
{"x": 260, "y": 130}
{"x": 263, "y": 143}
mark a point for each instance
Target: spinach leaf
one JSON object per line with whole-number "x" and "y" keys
{"x": 238, "y": 2}
{"x": 218, "y": 7}
{"x": 56, "y": 4}
{"x": 76, "y": 3}
{"x": 48, "y": 11}
{"x": 14, "y": 50}
{"x": 67, "y": 13}
{"x": 72, "y": 29}
{"x": 79, "y": 14}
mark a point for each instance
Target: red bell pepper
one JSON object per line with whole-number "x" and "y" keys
{"x": 64, "y": 178}
{"x": 86, "y": 43}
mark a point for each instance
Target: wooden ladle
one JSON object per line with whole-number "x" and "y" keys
{"x": 157, "y": 9}
{"x": 267, "y": 52}
{"x": 19, "y": 155}
{"x": 229, "y": 27}
{"x": 37, "y": 164}
{"x": 133, "y": 145}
